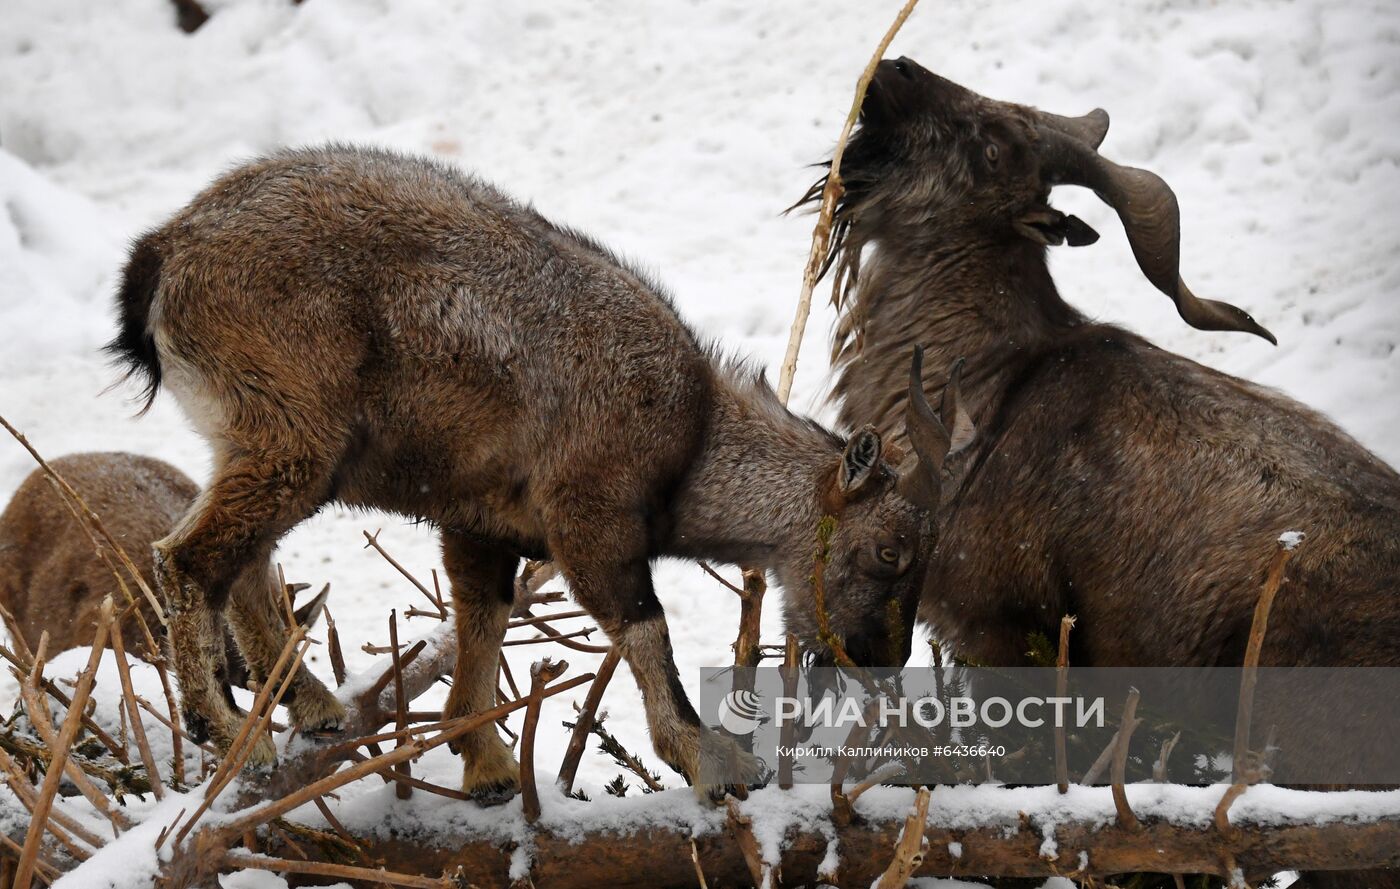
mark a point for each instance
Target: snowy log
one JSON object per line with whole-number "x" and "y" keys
{"x": 660, "y": 855}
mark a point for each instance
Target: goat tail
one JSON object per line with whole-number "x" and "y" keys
{"x": 134, "y": 346}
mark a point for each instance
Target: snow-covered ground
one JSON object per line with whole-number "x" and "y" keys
{"x": 677, "y": 132}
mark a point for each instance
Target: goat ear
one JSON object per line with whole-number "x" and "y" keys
{"x": 1045, "y": 225}
{"x": 308, "y": 614}
{"x": 859, "y": 461}
{"x": 1078, "y": 233}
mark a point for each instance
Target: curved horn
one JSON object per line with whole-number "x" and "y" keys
{"x": 1152, "y": 222}
{"x": 1089, "y": 128}
{"x": 919, "y": 479}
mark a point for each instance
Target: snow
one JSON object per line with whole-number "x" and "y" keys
{"x": 677, "y": 133}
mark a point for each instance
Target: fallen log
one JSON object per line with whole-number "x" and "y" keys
{"x": 660, "y": 855}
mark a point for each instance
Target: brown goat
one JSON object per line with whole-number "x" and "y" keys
{"x": 463, "y": 361}
{"x": 1111, "y": 480}
{"x": 52, "y": 580}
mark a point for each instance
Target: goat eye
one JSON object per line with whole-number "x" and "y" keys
{"x": 993, "y": 153}
{"x": 888, "y": 555}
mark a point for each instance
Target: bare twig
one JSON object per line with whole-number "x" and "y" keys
{"x": 587, "y": 715}
{"x": 787, "y": 731}
{"x": 337, "y": 656}
{"x": 1061, "y": 690}
{"x": 401, "y": 790}
{"x": 239, "y": 859}
{"x": 66, "y": 830}
{"x": 264, "y": 813}
{"x": 138, "y": 728}
{"x": 1159, "y": 768}
{"x": 695, "y": 858}
{"x": 1101, "y": 764}
{"x": 373, "y": 542}
{"x": 909, "y": 851}
{"x": 541, "y": 674}
{"x": 403, "y": 779}
{"x": 831, "y": 194}
{"x": 737, "y": 590}
{"x": 67, "y": 734}
{"x": 552, "y": 635}
{"x": 24, "y": 665}
{"x": 1126, "y": 819}
{"x": 1250, "y": 676}
{"x": 741, "y": 827}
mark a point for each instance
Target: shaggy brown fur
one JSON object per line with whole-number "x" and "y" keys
{"x": 356, "y": 326}
{"x": 52, "y": 580}
{"x": 1112, "y": 480}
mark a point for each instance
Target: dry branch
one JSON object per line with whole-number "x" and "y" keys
{"x": 912, "y": 846}
{"x": 1126, "y": 819}
{"x": 67, "y": 734}
{"x": 541, "y": 674}
{"x": 133, "y": 711}
{"x": 831, "y": 194}
{"x": 1061, "y": 690}
{"x": 587, "y": 716}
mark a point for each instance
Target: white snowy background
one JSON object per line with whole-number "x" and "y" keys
{"x": 677, "y": 132}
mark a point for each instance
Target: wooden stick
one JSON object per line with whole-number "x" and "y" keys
{"x": 737, "y": 590}
{"x": 336, "y": 654}
{"x": 1126, "y": 819}
{"x": 556, "y": 636}
{"x": 401, "y": 790}
{"x": 741, "y": 828}
{"x": 24, "y": 875}
{"x": 541, "y": 674}
{"x": 573, "y": 754}
{"x": 1159, "y": 768}
{"x": 831, "y": 194}
{"x": 695, "y": 858}
{"x": 239, "y": 859}
{"x": 909, "y": 851}
{"x": 788, "y": 730}
{"x": 47, "y": 685}
{"x": 73, "y": 765}
{"x": 43, "y": 868}
{"x": 884, "y": 773}
{"x": 266, "y": 812}
{"x": 544, "y": 618}
{"x": 1061, "y": 691}
{"x": 174, "y": 729}
{"x": 373, "y": 541}
{"x": 1101, "y": 764}
{"x": 138, "y": 728}
{"x": 510, "y": 679}
{"x": 177, "y": 750}
{"x": 64, "y": 829}
{"x": 390, "y": 775}
{"x": 1250, "y": 676}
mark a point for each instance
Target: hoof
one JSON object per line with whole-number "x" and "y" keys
{"x": 722, "y": 758}
{"x": 498, "y": 795}
{"x": 264, "y": 754}
{"x": 316, "y": 711}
